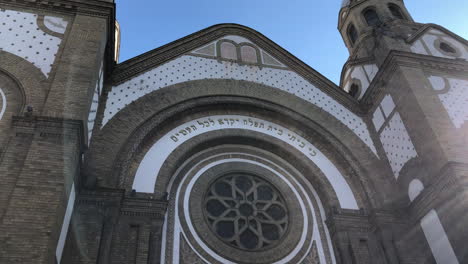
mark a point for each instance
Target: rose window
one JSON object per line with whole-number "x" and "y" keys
{"x": 246, "y": 211}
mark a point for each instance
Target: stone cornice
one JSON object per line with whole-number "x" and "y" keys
{"x": 156, "y": 57}
{"x": 50, "y": 127}
{"x": 348, "y": 220}
{"x": 135, "y": 205}
{"x": 397, "y": 59}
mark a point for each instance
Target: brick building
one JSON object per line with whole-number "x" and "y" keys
{"x": 222, "y": 147}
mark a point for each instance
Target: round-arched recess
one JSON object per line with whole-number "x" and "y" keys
{"x": 128, "y": 136}
{"x": 148, "y": 170}
{"x": 179, "y": 140}
{"x": 27, "y": 79}
{"x": 11, "y": 101}
{"x": 300, "y": 226}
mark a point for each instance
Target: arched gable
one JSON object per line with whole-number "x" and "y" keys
{"x": 437, "y": 41}
{"x": 120, "y": 139}
{"x": 207, "y": 62}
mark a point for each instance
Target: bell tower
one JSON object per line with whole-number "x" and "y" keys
{"x": 371, "y": 28}
{"x": 410, "y": 80}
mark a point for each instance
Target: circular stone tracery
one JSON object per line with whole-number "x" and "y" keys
{"x": 246, "y": 211}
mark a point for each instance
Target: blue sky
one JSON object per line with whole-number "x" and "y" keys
{"x": 306, "y": 28}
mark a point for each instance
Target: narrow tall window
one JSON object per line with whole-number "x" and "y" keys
{"x": 396, "y": 11}
{"x": 371, "y": 17}
{"x": 354, "y": 90}
{"x": 352, "y": 34}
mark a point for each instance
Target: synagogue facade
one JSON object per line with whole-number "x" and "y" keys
{"x": 222, "y": 147}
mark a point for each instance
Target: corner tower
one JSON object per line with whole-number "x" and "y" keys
{"x": 410, "y": 80}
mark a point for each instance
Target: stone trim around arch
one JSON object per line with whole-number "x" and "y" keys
{"x": 158, "y": 153}
{"x": 188, "y": 68}
{"x": 29, "y": 79}
{"x": 321, "y": 235}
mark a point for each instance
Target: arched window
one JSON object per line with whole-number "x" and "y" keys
{"x": 249, "y": 54}
{"x": 371, "y": 17}
{"x": 228, "y": 51}
{"x": 352, "y": 34}
{"x": 396, "y": 11}
{"x": 354, "y": 90}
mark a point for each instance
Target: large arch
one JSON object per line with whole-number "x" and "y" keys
{"x": 126, "y": 137}
{"x": 30, "y": 80}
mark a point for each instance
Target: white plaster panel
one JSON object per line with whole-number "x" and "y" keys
{"x": 95, "y": 103}
{"x": 147, "y": 172}
{"x": 387, "y": 105}
{"x": 56, "y": 24}
{"x": 415, "y": 188}
{"x": 437, "y": 238}
{"x": 187, "y": 68}
{"x": 378, "y": 119}
{"x": 65, "y": 225}
{"x": 371, "y": 70}
{"x": 208, "y": 50}
{"x": 359, "y": 73}
{"x": 3, "y": 103}
{"x": 21, "y": 35}
{"x": 429, "y": 40}
{"x": 455, "y": 100}
{"x": 397, "y": 144}
{"x": 438, "y": 83}
{"x": 418, "y": 47}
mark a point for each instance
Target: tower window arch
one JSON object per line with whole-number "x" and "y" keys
{"x": 396, "y": 11}
{"x": 352, "y": 34}
{"x": 371, "y": 16}
{"x": 354, "y": 90}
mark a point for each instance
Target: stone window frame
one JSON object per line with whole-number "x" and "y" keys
{"x": 458, "y": 53}
{"x": 238, "y": 47}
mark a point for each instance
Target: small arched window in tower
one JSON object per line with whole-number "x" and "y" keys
{"x": 228, "y": 50}
{"x": 447, "y": 48}
{"x": 371, "y": 17}
{"x": 354, "y": 90}
{"x": 352, "y": 34}
{"x": 396, "y": 11}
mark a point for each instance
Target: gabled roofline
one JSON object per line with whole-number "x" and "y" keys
{"x": 427, "y": 27}
{"x": 151, "y": 59}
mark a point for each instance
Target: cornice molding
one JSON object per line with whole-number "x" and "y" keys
{"x": 395, "y": 60}
{"x": 127, "y": 204}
